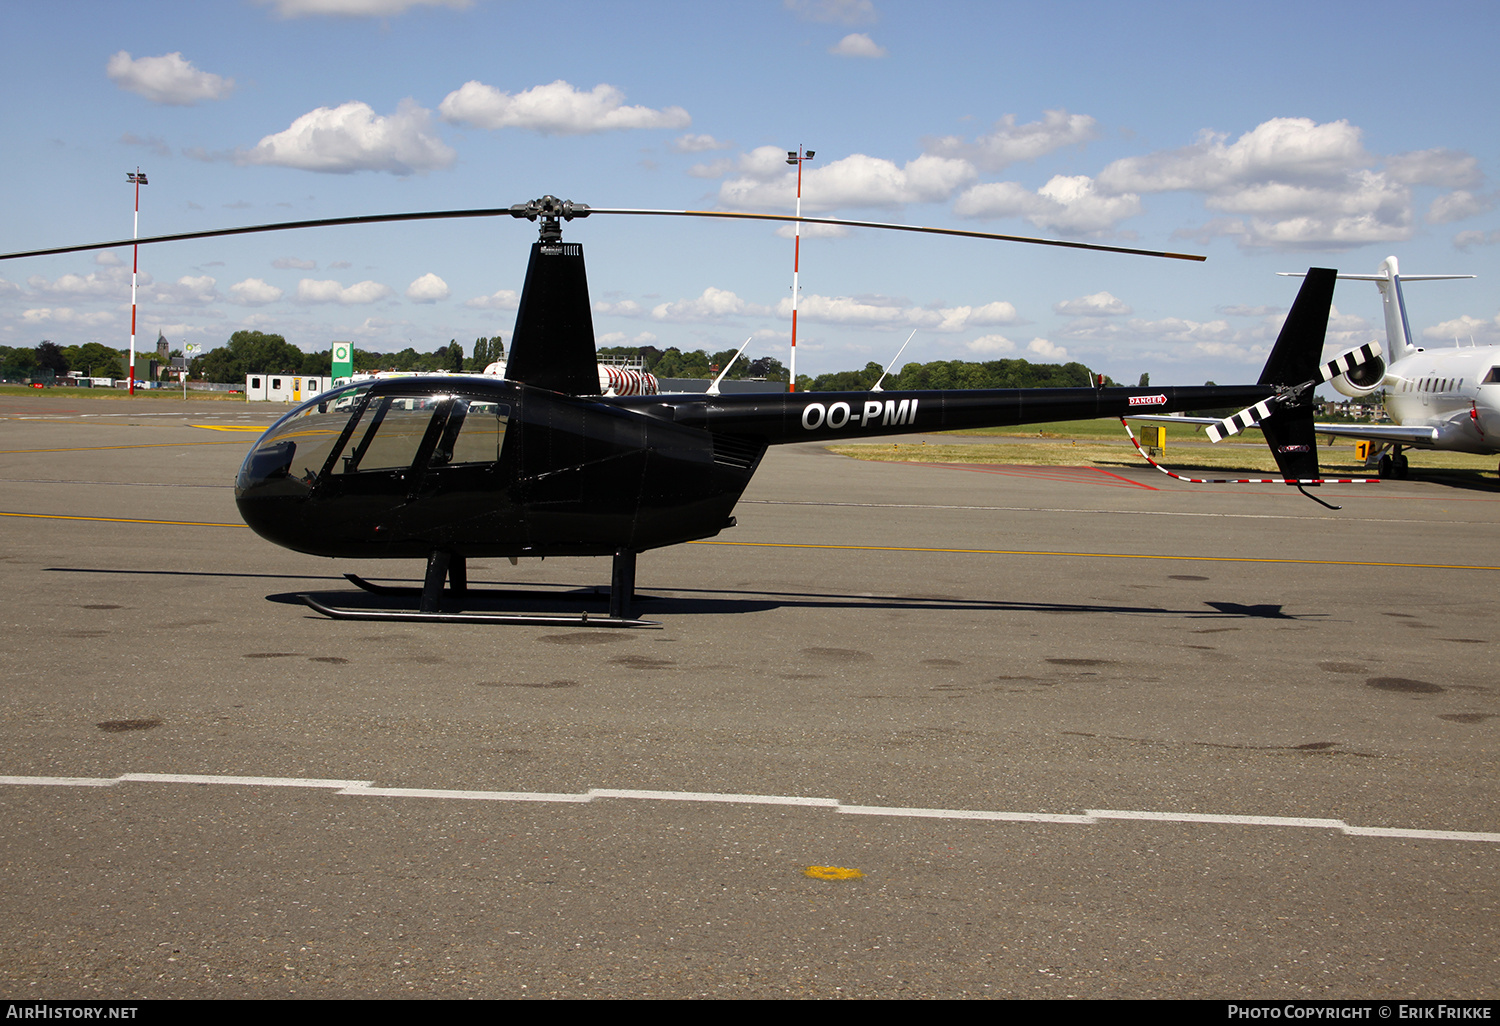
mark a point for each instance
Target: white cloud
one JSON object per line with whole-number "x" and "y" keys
{"x": 352, "y": 137}
{"x": 1046, "y": 350}
{"x": 619, "y": 338}
{"x": 711, "y": 305}
{"x": 555, "y": 109}
{"x": 190, "y": 290}
{"x": 857, "y": 44}
{"x": 841, "y": 12}
{"x": 1281, "y": 149}
{"x": 66, "y": 317}
{"x": 1464, "y": 328}
{"x": 167, "y": 79}
{"x": 814, "y": 231}
{"x": 1239, "y": 310}
{"x": 310, "y": 291}
{"x": 692, "y": 143}
{"x": 254, "y": 292}
{"x": 293, "y": 264}
{"x": 624, "y": 308}
{"x": 713, "y": 169}
{"x": 1302, "y": 185}
{"x": 358, "y": 8}
{"x": 1067, "y": 203}
{"x": 1464, "y": 240}
{"x": 1010, "y": 143}
{"x": 1451, "y": 169}
{"x": 427, "y": 289}
{"x": 1169, "y": 329}
{"x": 885, "y": 312}
{"x": 155, "y": 143}
{"x": 504, "y": 299}
{"x": 1099, "y": 304}
{"x": 1457, "y": 205}
{"x": 113, "y": 283}
{"x": 855, "y": 181}
{"x": 990, "y": 345}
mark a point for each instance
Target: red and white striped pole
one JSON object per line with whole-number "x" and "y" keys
{"x": 139, "y": 179}
{"x": 797, "y": 157}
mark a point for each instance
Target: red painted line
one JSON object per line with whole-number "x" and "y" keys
{"x": 1066, "y": 475}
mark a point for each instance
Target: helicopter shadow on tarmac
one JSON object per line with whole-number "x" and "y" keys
{"x": 563, "y": 598}
{"x": 678, "y": 602}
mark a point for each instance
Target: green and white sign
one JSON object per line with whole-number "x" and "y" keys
{"x": 343, "y": 359}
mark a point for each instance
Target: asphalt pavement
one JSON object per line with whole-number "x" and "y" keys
{"x": 908, "y": 730}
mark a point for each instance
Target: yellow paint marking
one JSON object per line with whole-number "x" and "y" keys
{"x": 118, "y": 520}
{"x": 228, "y": 427}
{"x": 832, "y": 873}
{"x": 143, "y": 445}
{"x": 1102, "y": 555}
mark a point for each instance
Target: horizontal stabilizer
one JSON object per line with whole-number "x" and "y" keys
{"x": 1341, "y": 364}
{"x": 1239, "y": 422}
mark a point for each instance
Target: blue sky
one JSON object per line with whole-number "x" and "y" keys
{"x": 1266, "y": 136}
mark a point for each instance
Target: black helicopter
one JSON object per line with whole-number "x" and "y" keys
{"x": 449, "y": 468}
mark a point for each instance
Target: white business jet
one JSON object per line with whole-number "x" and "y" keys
{"x": 1438, "y": 398}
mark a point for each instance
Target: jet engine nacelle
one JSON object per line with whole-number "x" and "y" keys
{"x": 1362, "y": 380}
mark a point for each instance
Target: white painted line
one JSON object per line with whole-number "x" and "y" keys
{"x": 1424, "y": 835}
{"x": 707, "y": 796}
{"x": 364, "y": 791}
{"x": 1198, "y": 817}
{"x": 1006, "y": 817}
{"x": 198, "y": 778}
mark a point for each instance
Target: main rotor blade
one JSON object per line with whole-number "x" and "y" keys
{"x": 902, "y": 228}
{"x": 326, "y": 222}
{"x": 580, "y": 210}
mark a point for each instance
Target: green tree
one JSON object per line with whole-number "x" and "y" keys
{"x": 96, "y": 360}
{"x": 49, "y": 356}
{"x": 251, "y": 352}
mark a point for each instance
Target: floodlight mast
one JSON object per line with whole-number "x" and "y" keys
{"x": 798, "y": 157}
{"x": 139, "y": 179}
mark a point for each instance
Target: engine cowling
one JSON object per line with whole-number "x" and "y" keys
{"x": 1362, "y": 380}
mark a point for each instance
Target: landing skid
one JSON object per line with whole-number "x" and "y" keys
{"x": 443, "y": 566}
{"x": 526, "y": 619}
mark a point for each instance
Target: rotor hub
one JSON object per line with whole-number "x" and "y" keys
{"x": 549, "y": 210}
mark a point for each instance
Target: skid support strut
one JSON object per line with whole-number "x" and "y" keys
{"x": 442, "y": 566}
{"x": 622, "y": 584}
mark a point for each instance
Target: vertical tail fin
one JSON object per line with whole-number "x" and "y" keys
{"x": 1397, "y": 328}
{"x": 1294, "y": 366}
{"x": 553, "y": 344}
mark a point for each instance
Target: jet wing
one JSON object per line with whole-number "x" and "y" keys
{"x": 1389, "y": 433}
{"x": 1413, "y": 434}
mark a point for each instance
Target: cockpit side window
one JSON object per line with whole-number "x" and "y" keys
{"x": 307, "y": 436}
{"x": 398, "y": 428}
{"x": 1493, "y": 377}
{"x": 475, "y": 432}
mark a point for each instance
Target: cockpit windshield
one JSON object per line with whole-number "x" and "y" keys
{"x": 349, "y": 431}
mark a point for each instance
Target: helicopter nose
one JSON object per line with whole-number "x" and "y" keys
{"x": 268, "y": 494}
